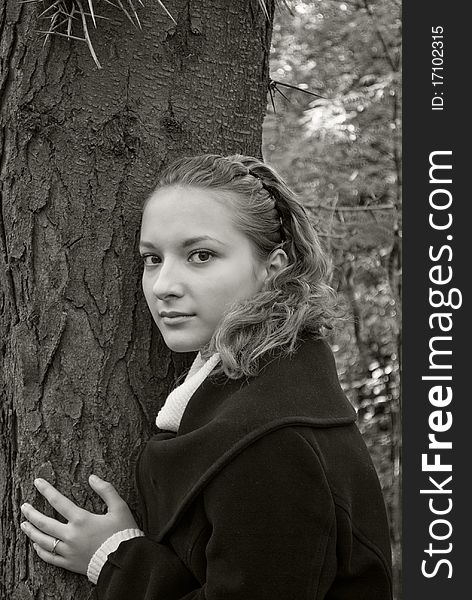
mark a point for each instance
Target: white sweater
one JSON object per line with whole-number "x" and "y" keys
{"x": 168, "y": 418}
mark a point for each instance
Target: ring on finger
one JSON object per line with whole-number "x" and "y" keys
{"x": 56, "y": 541}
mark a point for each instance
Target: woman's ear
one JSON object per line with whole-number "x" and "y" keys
{"x": 277, "y": 260}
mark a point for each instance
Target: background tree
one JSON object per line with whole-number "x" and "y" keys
{"x": 83, "y": 370}
{"x": 341, "y": 151}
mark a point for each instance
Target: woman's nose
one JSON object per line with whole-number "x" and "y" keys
{"x": 168, "y": 281}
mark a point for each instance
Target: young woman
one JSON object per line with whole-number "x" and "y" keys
{"x": 257, "y": 484}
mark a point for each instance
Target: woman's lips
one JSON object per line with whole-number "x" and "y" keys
{"x": 175, "y": 318}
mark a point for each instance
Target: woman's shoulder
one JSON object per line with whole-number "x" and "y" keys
{"x": 302, "y": 388}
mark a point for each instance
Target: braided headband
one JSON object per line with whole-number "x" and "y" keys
{"x": 276, "y": 203}
{"x": 257, "y": 176}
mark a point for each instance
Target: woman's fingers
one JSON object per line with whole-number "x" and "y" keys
{"x": 84, "y": 532}
{"x": 42, "y": 522}
{"x": 107, "y": 492}
{"x": 58, "y": 501}
{"x": 45, "y": 541}
{"x": 53, "y": 559}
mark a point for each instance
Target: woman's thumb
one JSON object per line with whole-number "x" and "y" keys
{"x": 106, "y": 491}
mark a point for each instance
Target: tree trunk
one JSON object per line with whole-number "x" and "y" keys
{"x": 84, "y": 370}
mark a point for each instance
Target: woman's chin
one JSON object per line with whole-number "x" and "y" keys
{"x": 177, "y": 345}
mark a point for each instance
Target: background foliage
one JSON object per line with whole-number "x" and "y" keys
{"x": 340, "y": 150}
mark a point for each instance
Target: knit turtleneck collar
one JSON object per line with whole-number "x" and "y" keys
{"x": 171, "y": 413}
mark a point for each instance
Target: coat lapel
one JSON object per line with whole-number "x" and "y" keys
{"x": 221, "y": 419}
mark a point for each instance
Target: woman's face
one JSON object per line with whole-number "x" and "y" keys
{"x": 196, "y": 263}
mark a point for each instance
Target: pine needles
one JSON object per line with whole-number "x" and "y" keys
{"x": 263, "y": 6}
{"x": 66, "y": 17}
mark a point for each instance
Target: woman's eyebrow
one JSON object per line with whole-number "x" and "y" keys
{"x": 200, "y": 238}
{"x": 143, "y": 244}
{"x": 186, "y": 243}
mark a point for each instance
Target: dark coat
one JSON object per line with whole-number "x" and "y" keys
{"x": 266, "y": 492}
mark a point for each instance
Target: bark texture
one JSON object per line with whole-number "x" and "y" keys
{"x": 83, "y": 368}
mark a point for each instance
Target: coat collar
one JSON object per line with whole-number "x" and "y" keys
{"x": 222, "y": 418}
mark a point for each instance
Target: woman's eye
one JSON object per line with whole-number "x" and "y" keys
{"x": 201, "y": 256}
{"x": 150, "y": 260}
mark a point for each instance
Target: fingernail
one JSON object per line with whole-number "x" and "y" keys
{"x": 24, "y": 506}
{"x": 23, "y": 525}
{"x": 37, "y": 482}
{"x": 94, "y": 478}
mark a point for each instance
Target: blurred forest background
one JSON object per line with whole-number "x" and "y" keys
{"x": 341, "y": 151}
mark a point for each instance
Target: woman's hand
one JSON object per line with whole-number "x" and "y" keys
{"x": 83, "y": 534}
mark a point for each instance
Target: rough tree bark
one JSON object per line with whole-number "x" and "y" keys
{"x": 83, "y": 369}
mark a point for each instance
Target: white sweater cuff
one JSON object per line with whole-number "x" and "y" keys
{"x": 110, "y": 545}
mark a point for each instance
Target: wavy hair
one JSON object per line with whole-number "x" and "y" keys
{"x": 297, "y": 299}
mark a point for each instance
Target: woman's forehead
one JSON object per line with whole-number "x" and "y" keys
{"x": 180, "y": 213}
{"x": 190, "y": 198}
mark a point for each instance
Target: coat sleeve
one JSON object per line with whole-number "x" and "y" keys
{"x": 272, "y": 520}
